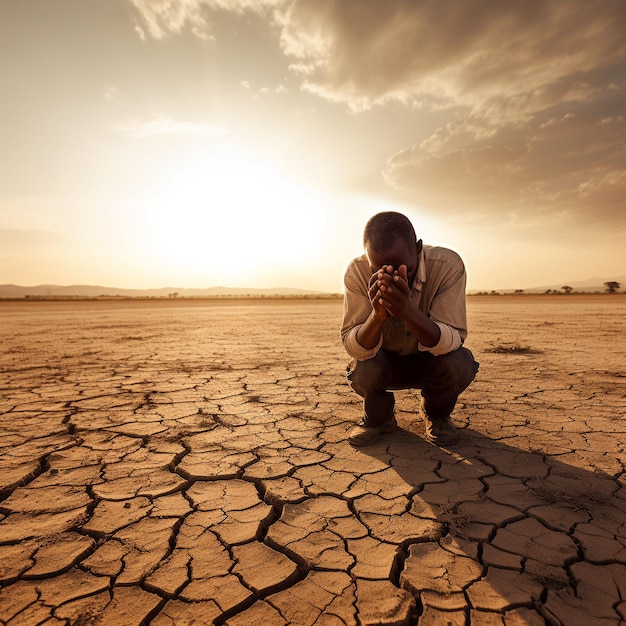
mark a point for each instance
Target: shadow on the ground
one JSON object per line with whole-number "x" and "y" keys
{"x": 520, "y": 533}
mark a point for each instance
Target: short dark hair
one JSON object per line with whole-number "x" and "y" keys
{"x": 384, "y": 228}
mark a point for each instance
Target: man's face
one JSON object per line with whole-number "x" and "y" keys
{"x": 400, "y": 253}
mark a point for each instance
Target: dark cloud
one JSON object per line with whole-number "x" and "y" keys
{"x": 364, "y": 52}
{"x": 536, "y": 90}
{"x": 573, "y": 165}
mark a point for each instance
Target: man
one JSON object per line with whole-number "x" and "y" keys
{"x": 404, "y": 322}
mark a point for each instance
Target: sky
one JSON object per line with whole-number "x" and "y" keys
{"x": 196, "y": 143}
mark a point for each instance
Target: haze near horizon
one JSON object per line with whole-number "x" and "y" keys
{"x": 202, "y": 142}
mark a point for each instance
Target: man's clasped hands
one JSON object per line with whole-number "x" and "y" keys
{"x": 389, "y": 291}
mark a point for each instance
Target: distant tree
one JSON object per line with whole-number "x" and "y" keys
{"x": 519, "y": 291}
{"x": 567, "y": 289}
{"x": 612, "y": 286}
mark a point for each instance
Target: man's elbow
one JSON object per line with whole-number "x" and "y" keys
{"x": 355, "y": 349}
{"x": 449, "y": 341}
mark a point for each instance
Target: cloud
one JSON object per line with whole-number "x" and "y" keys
{"x": 511, "y": 58}
{"x": 535, "y": 90}
{"x": 113, "y": 95}
{"x": 162, "y": 125}
{"x": 166, "y": 17}
{"x": 570, "y": 168}
{"x": 447, "y": 53}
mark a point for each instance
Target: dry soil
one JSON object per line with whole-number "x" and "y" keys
{"x": 185, "y": 462}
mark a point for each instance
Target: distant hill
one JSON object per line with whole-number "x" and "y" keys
{"x": 94, "y": 291}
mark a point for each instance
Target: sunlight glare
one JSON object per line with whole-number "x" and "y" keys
{"x": 232, "y": 214}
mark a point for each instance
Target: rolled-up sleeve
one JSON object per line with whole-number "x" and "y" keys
{"x": 449, "y": 340}
{"x": 356, "y": 350}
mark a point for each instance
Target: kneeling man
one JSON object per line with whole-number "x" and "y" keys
{"x": 404, "y": 323}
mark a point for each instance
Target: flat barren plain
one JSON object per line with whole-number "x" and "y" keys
{"x": 185, "y": 462}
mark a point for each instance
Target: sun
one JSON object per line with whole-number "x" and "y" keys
{"x": 233, "y": 215}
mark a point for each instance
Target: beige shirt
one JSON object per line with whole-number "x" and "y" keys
{"x": 439, "y": 291}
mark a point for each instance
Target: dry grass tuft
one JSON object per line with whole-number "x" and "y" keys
{"x": 514, "y": 348}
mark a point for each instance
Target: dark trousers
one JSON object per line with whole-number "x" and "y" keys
{"x": 441, "y": 379}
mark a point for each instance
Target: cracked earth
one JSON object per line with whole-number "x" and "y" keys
{"x": 174, "y": 463}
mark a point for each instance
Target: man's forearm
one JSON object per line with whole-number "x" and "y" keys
{"x": 424, "y": 329}
{"x": 369, "y": 334}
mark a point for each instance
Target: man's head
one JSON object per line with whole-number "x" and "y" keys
{"x": 383, "y": 229}
{"x": 389, "y": 239}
